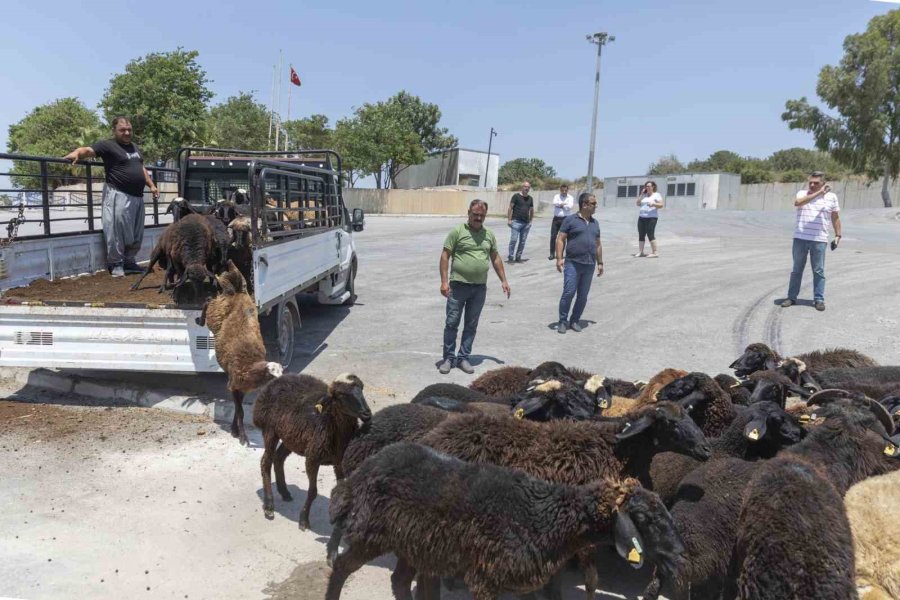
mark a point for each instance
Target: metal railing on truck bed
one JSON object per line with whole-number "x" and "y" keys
{"x": 50, "y": 197}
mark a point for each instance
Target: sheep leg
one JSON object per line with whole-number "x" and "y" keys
{"x": 428, "y": 588}
{"x": 591, "y": 577}
{"x": 154, "y": 259}
{"x": 654, "y": 587}
{"x": 479, "y": 588}
{"x": 270, "y": 441}
{"x": 334, "y": 543}
{"x": 281, "y": 453}
{"x": 401, "y": 580}
{"x": 553, "y": 588}
{"x": 344, "y": 566}
{"x": 312, "y": 473}
{"x": 237, "y": 424}
{"x": 201, "y": 320}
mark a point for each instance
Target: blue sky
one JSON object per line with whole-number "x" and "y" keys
{"x": 682, "y": 77}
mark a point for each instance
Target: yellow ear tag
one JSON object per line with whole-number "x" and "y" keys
{"x": 634, "y": 556}
{"x": 319, "y": 408}
{"x": 520, "y": 413}
{"x": 805, "y": 419}
{"x": 754, "y": 434}
{"x": 890, "y": 450}
{"x": 604, "y": 403}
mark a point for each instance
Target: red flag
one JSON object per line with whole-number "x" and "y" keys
{"x": 295, "y": 79}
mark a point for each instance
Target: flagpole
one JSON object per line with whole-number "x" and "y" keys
{"x": 290, "y": 89}
{"x": 271, "y": 109}
{"x": 278, "y": 113}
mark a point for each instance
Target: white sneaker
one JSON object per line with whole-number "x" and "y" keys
{"x": 118, "y": 271}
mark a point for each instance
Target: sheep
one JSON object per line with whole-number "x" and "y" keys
{"x": 573, "y": 453}
{"x": 458, "y": 392}
{"x": 397, "y": 423}
{"x": 648, "y": 394}
{"x": 739, "y": 394}
{"x": 758, "y": 356}
{"x": 874, "y": 382}
{"x": 710, "y": 406}
{"x": 231, "y": 317}
{"x": 498, "y": 528}
{"x": 189, "y": 249}
{"x": 758, "y": 431}
{"x": 507, "y": 381}
{"x": 871, "y": 510}
{"x": 457, "y": 406}
{"x": 774, "y": 386}
{"x": 502, "y": 382}
{"x": 711, "y": 499}
{"x": 312, "y": 419}
{"x": 779, "y": 554}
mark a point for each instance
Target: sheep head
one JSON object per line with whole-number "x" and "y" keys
{"x": 857, "y": 399}
{"x": 756, "y": 357}
{"x": 598, "y": 388}
{"x": 645, "y": 531}
{"x": 774, "y": 386}
{"x": 232, "y": 281}
{"x": 770, "y": 423}
{"x": 555, "y": 399}
{"x": 669, "y": 429}
{"x": 690, "y": 391}
{"x": 345, "y": 394}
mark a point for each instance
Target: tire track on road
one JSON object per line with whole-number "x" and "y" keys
{"x": 740, "y": 331}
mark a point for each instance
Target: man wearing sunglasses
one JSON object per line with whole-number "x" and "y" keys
{"x": 579, "y": 235}
{"x": 816, "y": 206}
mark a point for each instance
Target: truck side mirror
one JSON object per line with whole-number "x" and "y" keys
{"x": 359, "y": 219}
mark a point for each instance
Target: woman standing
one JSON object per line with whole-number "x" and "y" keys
{"x": 649, "y": 201}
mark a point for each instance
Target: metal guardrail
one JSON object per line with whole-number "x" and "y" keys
{"x": 35, "y": 182}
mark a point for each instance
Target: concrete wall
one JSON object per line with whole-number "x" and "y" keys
{"x": 780, "y": 196}
{"x": 436, "y": 202}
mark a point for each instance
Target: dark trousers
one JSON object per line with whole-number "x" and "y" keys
{"x": 577, "y": 279}
{"x": 554, "y": 231}
{"x": 468, "y": 298}
{"x": 647, "y": 227}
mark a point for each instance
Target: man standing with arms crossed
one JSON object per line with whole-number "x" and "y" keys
{"x": 816, "y": 206}
{"x": 580, "y": 236}
{"x": 123, "y": 196}
{"x": 472, "y": 247}
{"x": 563, "y": 206}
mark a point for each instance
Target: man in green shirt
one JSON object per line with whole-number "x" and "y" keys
{"x": 472, "y": 247}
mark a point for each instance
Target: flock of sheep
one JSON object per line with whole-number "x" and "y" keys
{"x": 778, "y": 484}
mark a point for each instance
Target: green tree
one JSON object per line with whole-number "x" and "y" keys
{"x": 165, "y": 96}
{"x": 719, "y": 161}
{"x": 239, "y": 122}
{"x": 754, "y": 170}
{"x": 309, "y": 133}
{"x": 53, "y": 129}
{"x": 533, "y": 170}
{"x": 864, "y": 90}
{"x": 666, "y": 165}
{"x": 350, "y": 143}
{"x": 385, "y": 138}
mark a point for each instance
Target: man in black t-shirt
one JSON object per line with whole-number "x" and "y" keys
{"x": 519, "y": 216}
{"x": 123, "y": 196}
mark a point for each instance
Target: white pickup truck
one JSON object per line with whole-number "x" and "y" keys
{"x": 302, "y": 242}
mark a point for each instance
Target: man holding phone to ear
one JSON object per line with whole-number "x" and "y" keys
{"x": 816, "y": 206}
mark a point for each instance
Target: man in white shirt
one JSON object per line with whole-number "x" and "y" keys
{"x": 563, "y": 206}
{"x": 816, "y": 206}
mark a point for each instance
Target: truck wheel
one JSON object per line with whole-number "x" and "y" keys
{"x": 279, "y": 335}
{"x": 351, "y": 286}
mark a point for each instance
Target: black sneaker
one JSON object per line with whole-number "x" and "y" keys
{"x": 509, "y": 259}
{"x": 561, "y": 328}
{"x": 551, "y": 257}
{"x": 132, "y": 268}
{"x": 574, "y": 326}
{"x": 787, "y": 303}
{"x": 446, "y": 366}
{"x": 820, "y": 306}
{"x": 464, "y": 366}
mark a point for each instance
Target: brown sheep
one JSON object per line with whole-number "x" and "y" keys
{"x": 231, "y": 317}
{"x": 621, "y": 406}
{"x": 497, "y": 383}
{"x": 309, "y": 418}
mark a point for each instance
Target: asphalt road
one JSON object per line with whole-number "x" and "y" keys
{"x": 145, "y": 504}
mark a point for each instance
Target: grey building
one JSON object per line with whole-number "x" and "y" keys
{"x": 455, "y": 167}
{"x": 685, "y": 190}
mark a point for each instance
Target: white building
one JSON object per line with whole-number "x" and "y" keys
{"x": 455, "y": 167}
{"x": 685, "y": 190}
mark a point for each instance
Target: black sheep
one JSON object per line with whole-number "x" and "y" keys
{"x": 498, "y": 528}
{"x": 874, "y": 382}
{"x": 709, "y": 405}
{"x": 758, "y": 356}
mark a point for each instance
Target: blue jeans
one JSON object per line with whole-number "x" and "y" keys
{"x": 577, "y": 279}
{"x": 468, "y": 296}
{"x": 816, "y": 251}
{"x": 518, "y": 233}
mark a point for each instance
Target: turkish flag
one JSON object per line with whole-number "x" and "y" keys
{"x": 295, "y": 79}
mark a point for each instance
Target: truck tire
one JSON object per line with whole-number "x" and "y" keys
{"x": 279, "y": 333}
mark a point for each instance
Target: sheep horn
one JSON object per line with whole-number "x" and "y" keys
{"x": 882, "y": 414}
{"x": 825, "y": 396}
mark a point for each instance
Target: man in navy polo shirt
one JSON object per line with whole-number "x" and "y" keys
{"x": 580, "y": 236}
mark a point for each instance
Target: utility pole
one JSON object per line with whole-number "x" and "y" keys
{"x": 600, "y": 39}
{"x": 487, "y": 167}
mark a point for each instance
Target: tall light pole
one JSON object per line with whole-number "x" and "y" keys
{"x": 487, "y": 167}
{"x": 600, "y": 39}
